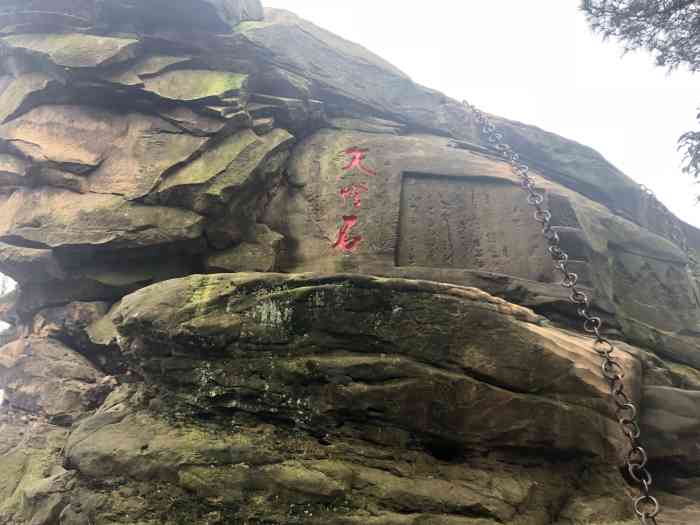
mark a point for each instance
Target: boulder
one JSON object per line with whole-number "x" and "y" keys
{"x": 44, "y": 377}
{"x": 223, "y": 476}
{"x": 322, "y": 471}
{"x": 389, "y": 352}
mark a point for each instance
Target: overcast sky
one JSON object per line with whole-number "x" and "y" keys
{"x": 535, "y": 61}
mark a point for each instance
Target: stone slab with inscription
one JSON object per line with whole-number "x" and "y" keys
{"x": 429, "y": 210}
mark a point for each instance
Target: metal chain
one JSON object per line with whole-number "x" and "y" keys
{"x": 646, "y": 506}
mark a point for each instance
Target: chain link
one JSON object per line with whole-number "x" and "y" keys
{"x": 646, "y": 506}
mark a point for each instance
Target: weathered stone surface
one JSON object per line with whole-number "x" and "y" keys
{"x": 301, "y": 116}
{"x": 349, "y": 78}
{"x": 23, "y": 92}
{"x": 258, "y": 256}
{"x": 196, "y": 123}
{"x": 34, "y": 487}
{"x": 229, "y": 476}
{"x": 236, "y": 11}
{"x": 342, "y": 60}
{"x": 14, "y": 20}
{"x": 105, "y": 276}
{"x": 53, "y": 134}
{"x": 79, "y": 9}
{"x": 213, "y": 16}
{"x": 263, "y": 126}
{"x": 59, "y": 178}
{"x": 35, "y": 296}
{"x": 133, "y": 74}
{"x": 118, "y": 154}
{"x": 418, "y": 208}
{"x": 672, "y": 422}
{"x": 76, "y": 49}
{"x": 279, "y": 82}
{"x": 367, "y": 125}
{"x": 408, "y": 385}
{"x": 191, "y": 84}
{"x": 239, "y": 223}
{"x": 46, "y": 378}
{"x": 69, "y": 321}
{"x": 233, "y": 470}
{"x": 13, "y": 170}
{"x": 150, "y": 16}
{"x": 391, "y": 202}
{"x": 55, "y": 218}
{"x": 149, "y": 446}
{"x": 144, "y": 143}
{"x": 29, "y": 264}
{"x": 207, "y": 184}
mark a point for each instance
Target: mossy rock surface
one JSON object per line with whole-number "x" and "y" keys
{"x": 147, "y": 146}
{"x": 241, "y": 164}
{"x": 76, "y": 50}
{"x": 193, "y": 84}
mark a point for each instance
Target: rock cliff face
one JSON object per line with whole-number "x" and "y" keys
{"x": 264, "y": 278}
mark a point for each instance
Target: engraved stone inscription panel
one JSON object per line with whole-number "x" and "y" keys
{"x": 470, "y": 223}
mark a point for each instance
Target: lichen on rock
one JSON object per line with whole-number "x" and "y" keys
{"x": 265, "y": 278}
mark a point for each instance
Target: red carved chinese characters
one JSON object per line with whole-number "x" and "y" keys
{"x": 344, "y": 242}
{"x": 357, "y": 156}
{"x": 354, "y": 192}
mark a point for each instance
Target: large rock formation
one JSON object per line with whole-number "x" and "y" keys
{"x": 193, "y": 195}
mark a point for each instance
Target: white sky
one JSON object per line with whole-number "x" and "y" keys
{"x": 535, "y": 61}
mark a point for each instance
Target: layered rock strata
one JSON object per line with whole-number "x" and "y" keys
{"x": 265, "y": 278}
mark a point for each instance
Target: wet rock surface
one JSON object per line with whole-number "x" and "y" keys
{"x": 413, "y": 361}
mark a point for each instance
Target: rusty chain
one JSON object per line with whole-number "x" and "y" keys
{"x": 646, "y": 506}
